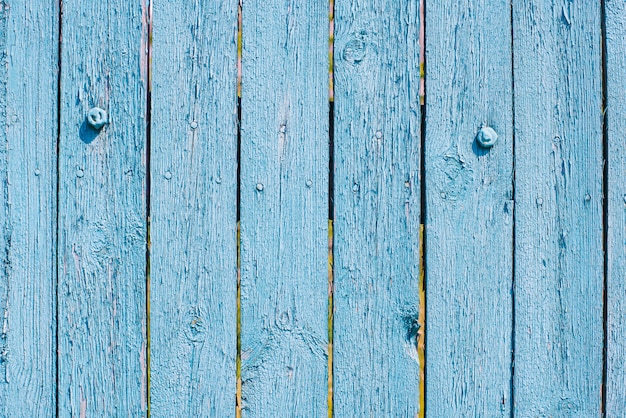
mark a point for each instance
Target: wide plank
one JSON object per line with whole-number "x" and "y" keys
{"x": 284, "y": 208}
{"x": 102, "y": 210}
{"x": 558, "y": 218}
{"x": 615, "y": 15}
{"x": 469, "y": 208}
{"x": 193, "y": 209}
{"x": 29, "y": 37}
{"x": 377, "y": 133}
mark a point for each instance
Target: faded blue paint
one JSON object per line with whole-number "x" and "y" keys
{"x": 615, "y": 12}
{"x": 102, "y": 211}
{"x": 193, "y": 210}
{"x": 284, "y": 222}
{"x": 558, "y": 217}
{"x": 469, "y": 208}
{"x": 377, "y": 208}
{"x": 28, "y": 116}
{"x": 469, "y": 142}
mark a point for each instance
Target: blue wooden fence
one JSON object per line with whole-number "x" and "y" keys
{"x": 192, "y": 226}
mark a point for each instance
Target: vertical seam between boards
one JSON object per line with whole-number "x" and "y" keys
{"x": 331, "y": 207}
{"x": 422, "y": 171}
{"x": 514, "y": 210}
{"x": 57, "y": 190}
{"x": 148, "y": 128}
{"x": 238, "y": 95}
{"x": 605, "y": 203}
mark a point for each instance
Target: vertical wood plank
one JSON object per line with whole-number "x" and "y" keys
{"x": 615, "y": 15}
{"x": 558, "y": 194}
{"x": 284, "y": 208}
{"x": 193, "y": 210}
{"x": 376, "y": 208}
{"x": 469, "y": 208}
{"x": 29, "y": 37}
{"x": 102, "y": 213}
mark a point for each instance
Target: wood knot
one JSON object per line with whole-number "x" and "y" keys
{"x": 196, "y": 329}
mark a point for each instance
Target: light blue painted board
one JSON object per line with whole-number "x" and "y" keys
{"x": 615, "y": 15}
{"x": 284, "y": 208}
{"x": 469, "y": 209}
{"x": 193, "y": 210}
{"x": 558, "y": 218}
{"x": 29, "y": 37}
{"x": 102, "y": 210}
{"x": 376, "y": 208}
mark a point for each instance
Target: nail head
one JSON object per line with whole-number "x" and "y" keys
{"x": 97, "y": 117}
{"x": 486, "y": 137}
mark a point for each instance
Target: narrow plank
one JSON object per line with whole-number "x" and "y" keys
{"x": 284, "y": 208}
{"x": 469, "y": 208}
{"x": 558, "y": 195}
{"x": 376, "y": 208}
{"x": 615, "y": 15}
{"x": 102, "y": 210}
{"x": 29, "y": 37}
{"x": 193, "y": 209}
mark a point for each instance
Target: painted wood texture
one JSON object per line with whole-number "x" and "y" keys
{"x": 193, "y": 210}
{"x": 284, "y": 208}
{"x": 102, "y": 210}
{"x": 615, "y": 14}
{"x": 376, "y": 208}
{"x": 28, "y": 97}
{"x": 469, "y": 209}
{"x": 558, "y": 219}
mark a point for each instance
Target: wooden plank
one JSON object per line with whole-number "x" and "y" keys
{"x": 558, "y": 218}
{"x": 284, "y": 208}
{"x": 615, "y": 15}
{"x": 102, "y": 210}
{"x": 376, "y": 208}
{"x": 193, "y": 210}
{"x": 29, "y": 36}
{"x": 469, "y": 208}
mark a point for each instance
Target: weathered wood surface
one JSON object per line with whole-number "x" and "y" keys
{"x": 376, "y": 208}
{"x": 469, "y": 209}
{"x": 284, "y": 208}
{"x": 558, "y": 216}
{"x": 193, "y": 209}
{"x": 28, "y": 97}
{"x": 102, "y": 210}
{"x": 615, "y": 12}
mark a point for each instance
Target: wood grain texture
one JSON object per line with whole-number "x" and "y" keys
{"x": 29, "y": 37}
{"x": 284, "y": 208}
{"x": 615, "y": 15}
{"x": 469, "y": 209}
{"x": 193, "y": 210}
{"x": 102, "y": 210}
{"x": 558, "y": 195}
{"x": 376, "y": 208}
